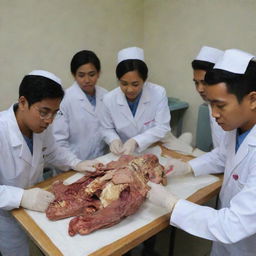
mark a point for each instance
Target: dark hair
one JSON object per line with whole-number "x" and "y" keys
{"x": 238, "y": 84}
{"x": 36, "y": 88}
{"x": 132, "y": 65}
{"x": 202, "y": 65}
{"x": 84, "y": 57}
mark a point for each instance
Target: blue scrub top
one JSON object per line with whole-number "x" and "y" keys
{"x": 29, "y": 143}
{"x": 133, "y": 105}
{"x": 240, "y": 138}
{"x": 27, "y": 139}
{"x": 92, "y": 99}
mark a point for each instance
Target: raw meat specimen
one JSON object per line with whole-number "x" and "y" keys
{"x": 103, "y": 198}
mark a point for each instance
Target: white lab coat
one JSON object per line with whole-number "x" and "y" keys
{"x": 18, "y": 170}
{"x": 216, "y": 130}
{"x": 233, "y": 226}
{"x": 150, "y": 123}
{"x": 78, "y": 126}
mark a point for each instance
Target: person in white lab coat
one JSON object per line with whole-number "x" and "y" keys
{"x": 136, "y": 114}
{"x": 204, "y": 62}
{"x": 231, "y": 91}
{"x": 78, "y": 126}
{"x": 27, "y": 141}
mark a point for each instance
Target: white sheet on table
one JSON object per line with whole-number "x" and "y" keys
{"x": 78, "y": 245}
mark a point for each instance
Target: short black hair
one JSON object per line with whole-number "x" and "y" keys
{"x": 82, "y": 58}
{"x": 36, "y": 88}
{"x": 238, "y": 84}
{"x": 202, "y": 65}
{"x": 132, "y": 65}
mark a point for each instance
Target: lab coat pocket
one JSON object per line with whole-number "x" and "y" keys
{"x": 149, "y": 124}
{"x": 240, "y": 184}
{"x": 239, "y": 181}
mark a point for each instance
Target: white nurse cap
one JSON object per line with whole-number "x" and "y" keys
{"x": 45, "y": 74}
{"x": 130, "y": 53}
{"x": 209, "y": 54}
{"x": 234, "y": 60}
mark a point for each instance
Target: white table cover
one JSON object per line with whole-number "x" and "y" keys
{"x": 79, "y": 245}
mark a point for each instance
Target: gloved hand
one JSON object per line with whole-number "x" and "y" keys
{"x": 86, "y": 166}
{"x": 36, "y": 199}
{"x": 129, "y": 146}
{"x": 177, "y": 167}
{"x": 160, "y": 196}
{"x": 116, "y": 147}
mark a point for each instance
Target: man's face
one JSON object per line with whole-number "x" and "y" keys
{"x": 198, "y": 78}
{"x": 39, "y": 115}
{"x": 228, "y": 112}
{"x": 87, "y": 76}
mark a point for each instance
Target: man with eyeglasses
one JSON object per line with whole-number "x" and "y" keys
{"x": 27, "y": 142}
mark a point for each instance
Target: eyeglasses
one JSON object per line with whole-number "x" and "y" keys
{"x": 46, "y": 114}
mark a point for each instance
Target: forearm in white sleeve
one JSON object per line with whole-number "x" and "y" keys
{"x": 10, "y": 197}
{"x": 227, "y": 225}
{"x": 209, "y": 163}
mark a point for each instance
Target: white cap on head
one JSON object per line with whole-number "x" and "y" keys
{"x": 209, "y": 54}
{"x": 234, "y": 60}
{"x": 45, "y": 74}
{"x": 130, "y": 53}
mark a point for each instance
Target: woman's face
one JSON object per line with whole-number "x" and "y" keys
{"x": 131, "y": 84}
{"x": 86, "y": 76}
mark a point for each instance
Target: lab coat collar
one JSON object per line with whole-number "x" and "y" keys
{"x": 37, "y": 148}
{"x": 124, "y": 107}
{"x": 248, "y": 143}
{"x": 121, "y": 100}
{"x": 16, "y": 136}
{"x": 251, "y": 137}
{"x": 145, "y": 98}
{"x": 85, "y": 104}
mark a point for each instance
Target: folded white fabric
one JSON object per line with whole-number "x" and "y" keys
{"x": 186, "y": 137}
{"x": 178, "y": 145}
{"x": 198, "y": 152}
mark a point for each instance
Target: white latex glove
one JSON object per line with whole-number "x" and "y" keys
{"x": 177, "y": 167}
{"x": 86, "y": 166}
{"x": 160, "y": 196}
{"x": 36, "y": 199}
{"x": 129, "y": 146}
{"x": 116, "y": 147}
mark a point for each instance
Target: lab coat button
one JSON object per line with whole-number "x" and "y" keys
{"x": 235, "y": 176}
